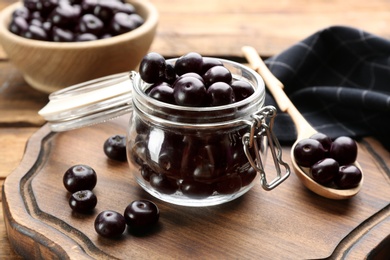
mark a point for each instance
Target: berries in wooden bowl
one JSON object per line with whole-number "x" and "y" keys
{"x": 56, "y": 45}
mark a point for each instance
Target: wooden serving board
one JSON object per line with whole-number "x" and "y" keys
{"x": 289, "y": 222}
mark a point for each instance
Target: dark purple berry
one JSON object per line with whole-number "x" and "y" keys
{"x": 208, "y": 63}
{"x": 241, "y": 89}
{"x": 36, "y": 15}
{"x": 308, "y": 151}
{"x": 190, "y": 74}
{"x": 139, "y": 152}
{"x": 146, "y": 172}
{"x": 126, "y": 8}
{"x": 349, "y": 176}
{"x": 110, "y": 224}
{"x": 220, "y": 93}
{"x": 47, "y": 26}
{"x": 105, "y": 10}
{"x": 141, "y": 214}
{"x": 137, "y": 19}
{"x": 84, "y": 37}
{"x": 115, "y": 148}
{"x": 248, "y": 176}
{"x": 90, "y": 24}
{"x": 191, "y": 62}
{"x": 344, "y": 150}
{"x": 163, "y": 92}
{"x": 171, "y": 153}
{"x": 217, "y": 74}
{"x": 65, "y": 15}
{"x": 324, "y": 170}
{"x": 36, "y": 22}
{"x": 324, "y": 140}
{"x": 35, "y": 33}
{"x": 122, "y": 23}
{"x": 31, "y": 4}
{"x": 106, "y": 36}
{"x": 79, "y": 177}
{"x": 229, "y": 185}
{"x": 170, "y": 74}
{"x": 62, "y": 35}
{"x": 18, "y": 26}
{"x": 196, "y": 190}
{"x": 162, "y": 184}
{"x": 89, "y": 5}
{"x": 189, "y": 91}
{"x": 21, "y": 12}
{"x": 152, "y": 68}
{"x": 83, "y": 201}
{"x": 45, "y": 7}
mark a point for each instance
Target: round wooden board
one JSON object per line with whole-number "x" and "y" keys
{"x": 289, "y": 222}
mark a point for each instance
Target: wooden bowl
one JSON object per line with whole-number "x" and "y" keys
{"x": 49, "y": 66}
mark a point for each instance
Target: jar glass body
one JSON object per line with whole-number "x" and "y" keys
{"x": 194, "y": 156}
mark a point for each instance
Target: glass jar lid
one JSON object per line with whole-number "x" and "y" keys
{"x": 89, "y": 103}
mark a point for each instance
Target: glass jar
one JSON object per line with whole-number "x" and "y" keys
{"x": 191, "y": 156}
{"x": 198, "y": 156}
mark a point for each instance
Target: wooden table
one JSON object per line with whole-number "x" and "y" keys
{"x": 214, "y": 28}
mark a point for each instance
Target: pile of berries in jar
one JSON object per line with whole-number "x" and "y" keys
{"x": 187, "y": 161}
{"x": 194, "y": 81}
{"x": 73, "y": 20}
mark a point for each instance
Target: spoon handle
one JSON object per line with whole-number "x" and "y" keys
{"x": 304, "y": 129}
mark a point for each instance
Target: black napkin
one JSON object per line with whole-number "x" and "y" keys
{"x": 339, "y": 79}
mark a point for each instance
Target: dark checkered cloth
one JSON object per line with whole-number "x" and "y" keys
{"x": 339, "y": 79}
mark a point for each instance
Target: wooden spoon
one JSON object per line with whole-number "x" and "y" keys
{"x": 304, "y": 129}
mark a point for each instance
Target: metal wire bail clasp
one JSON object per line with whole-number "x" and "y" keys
{"x": 261, "y": 126}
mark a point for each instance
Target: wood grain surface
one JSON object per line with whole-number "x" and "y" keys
{"x": 288, "y": 222}
{"x": 220, "y": 28}
{"x": 214, "y": 28}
